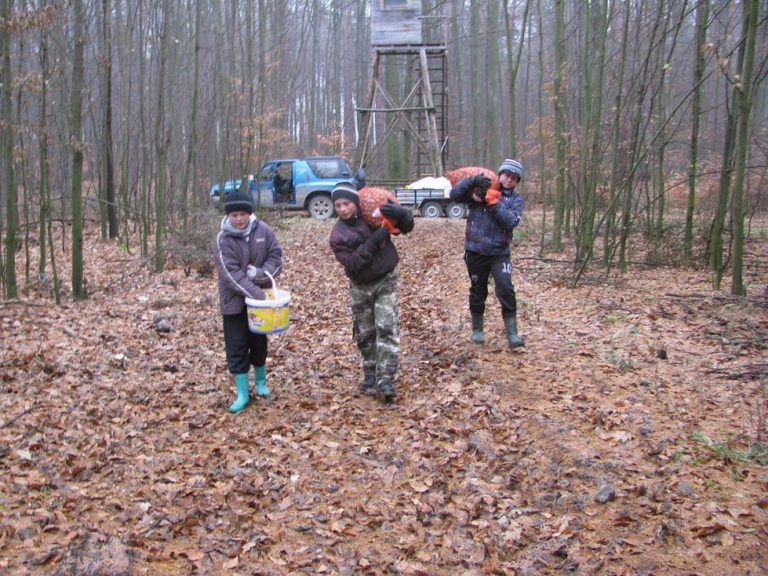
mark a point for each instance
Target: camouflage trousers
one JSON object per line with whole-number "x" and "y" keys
{"x": 374, "y": 325}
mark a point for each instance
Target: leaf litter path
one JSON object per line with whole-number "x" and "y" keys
{"x": 574, "y": 456}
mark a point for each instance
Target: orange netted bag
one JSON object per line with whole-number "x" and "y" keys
{"x": 493, "y": 196}
{"x": 454, "y": 176}
{"x": 370, "y": 200}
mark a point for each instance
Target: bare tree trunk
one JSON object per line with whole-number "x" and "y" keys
{"x": 108, "y": 178}
{"x": 542, "y": 159}
{"x": 76, "y": 141}
{"x": 638, "y": 128}
{"x": 733, "y": 108}
{"x": 670, "y": 36}
{"x": 493, "y": 113}
{"x": 477, "y": 86}
{"x": 11, "y": 199}
{"x": 610, "y": 219}
{"x": 514, "y": 55}
{"x": 122, "y": 150}
{"x": 144, "y": 161}
{"x": 702, "y": 16}
{"x": 560, "y": 143}
{"x": 161, "y": 141}
{"x": 593, "y": 44}
{"x": 189, "y": 183}
{"x": 743, "y": 93}
{"x": 656, "y": 225}
{"x": 46, "y": 220}
{"x": 251, "y": 90}
{"x": 23, "y": 156}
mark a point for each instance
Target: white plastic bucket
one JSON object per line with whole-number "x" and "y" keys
{"x": 269, "y": 316}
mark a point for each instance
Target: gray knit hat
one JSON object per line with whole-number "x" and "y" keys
{"x": 237, "y": 200}
{"x": 512, "y": 166}
{"x": 345, "y": 190}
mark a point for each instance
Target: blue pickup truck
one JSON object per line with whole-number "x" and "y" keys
{"x": 294, "y": 183}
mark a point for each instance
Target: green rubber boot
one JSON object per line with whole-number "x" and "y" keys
{"x": 514, "y": 340}
{"x": 477, "y": 329}
{"x": 260, "y": 379}
{"x": 241, "y": 384}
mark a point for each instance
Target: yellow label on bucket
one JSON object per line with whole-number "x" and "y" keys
{"x": 268, "y": 320}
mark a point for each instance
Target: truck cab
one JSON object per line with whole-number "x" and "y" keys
{"x": 294, "y": 183}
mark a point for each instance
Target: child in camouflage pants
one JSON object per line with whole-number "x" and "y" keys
{"x": 369, "y": 259}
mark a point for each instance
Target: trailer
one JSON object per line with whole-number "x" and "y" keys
{"x": 431, "y": 202}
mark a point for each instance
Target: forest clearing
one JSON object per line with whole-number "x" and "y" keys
{"x": 627, "y": 437}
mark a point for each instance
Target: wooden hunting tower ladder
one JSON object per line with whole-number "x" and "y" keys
{"x": 398, "y": 29}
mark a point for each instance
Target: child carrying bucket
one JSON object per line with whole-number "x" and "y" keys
{"x": 246, "y": 252}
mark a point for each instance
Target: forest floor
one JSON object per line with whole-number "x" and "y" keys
{"x": 624, "y": 439}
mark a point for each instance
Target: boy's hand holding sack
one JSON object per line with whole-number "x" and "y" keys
{"x": 371, "y": 201}
{"x": 480, "y": 186}
{"x": 455, "y": 176}
{"x": 392, "y": 215}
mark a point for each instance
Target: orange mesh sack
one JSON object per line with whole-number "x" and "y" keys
{"x": 370, "y": 200}
{"x": 454, "y": 176}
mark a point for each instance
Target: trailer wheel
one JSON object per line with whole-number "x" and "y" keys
{"x": 431, "y": 210}
{"x": 455, "y": 210}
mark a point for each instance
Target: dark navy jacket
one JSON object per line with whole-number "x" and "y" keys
{"x": 489, "y": 226}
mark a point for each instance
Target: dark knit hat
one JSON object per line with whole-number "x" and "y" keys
{"x": 237, "y": 200}
{"x": 345, "y": 190}
{"x": 511, "y": 166}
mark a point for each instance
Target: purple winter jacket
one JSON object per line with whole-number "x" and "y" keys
{"x": 233, "y": 251}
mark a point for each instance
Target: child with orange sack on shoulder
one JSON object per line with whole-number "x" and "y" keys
{"x": 370, "y": 259}
{"x": 245, "y": 250}
{"x": 493, "y": 215}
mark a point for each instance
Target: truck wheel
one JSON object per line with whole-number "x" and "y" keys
{"x": 431, "y": 210}
{"x": 320, "y": 207}
{"x": 456, "y": 210}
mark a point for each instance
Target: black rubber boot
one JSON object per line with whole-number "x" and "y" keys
{"x": 477, "y": 329}
{"x": 387, "y": 390}
{"x": 514, "y": 340}
{"x": 368, "y": 385}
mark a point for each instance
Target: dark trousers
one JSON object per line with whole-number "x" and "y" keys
{"x": 480, "y": 268}
{"x": 243, "y": 347}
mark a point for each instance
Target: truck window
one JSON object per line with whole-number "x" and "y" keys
{"x": 329, "y": 168}
{"x": 268, "y": 172}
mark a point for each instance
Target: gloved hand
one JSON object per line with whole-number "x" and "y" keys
{"x": 377, "y": 237}
{"x": 253, "y": 272}
{"x": 393, "y": 211}
{"x": 482, "y": 182}
{"x": 479, "y": 186}
{"x": 389, "y": 225}
{"x": 492, "y": 196}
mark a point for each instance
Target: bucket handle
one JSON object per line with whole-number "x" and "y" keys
{"x": 274, "y": 286}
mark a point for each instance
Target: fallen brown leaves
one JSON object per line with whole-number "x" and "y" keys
{"x": 573, "y": 456}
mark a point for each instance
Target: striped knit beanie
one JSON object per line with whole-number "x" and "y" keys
{"x": 512, "y": 166}
{"x": 345, "y": 190}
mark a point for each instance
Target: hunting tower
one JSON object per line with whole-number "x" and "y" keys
{"x": 400, "y": 31}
